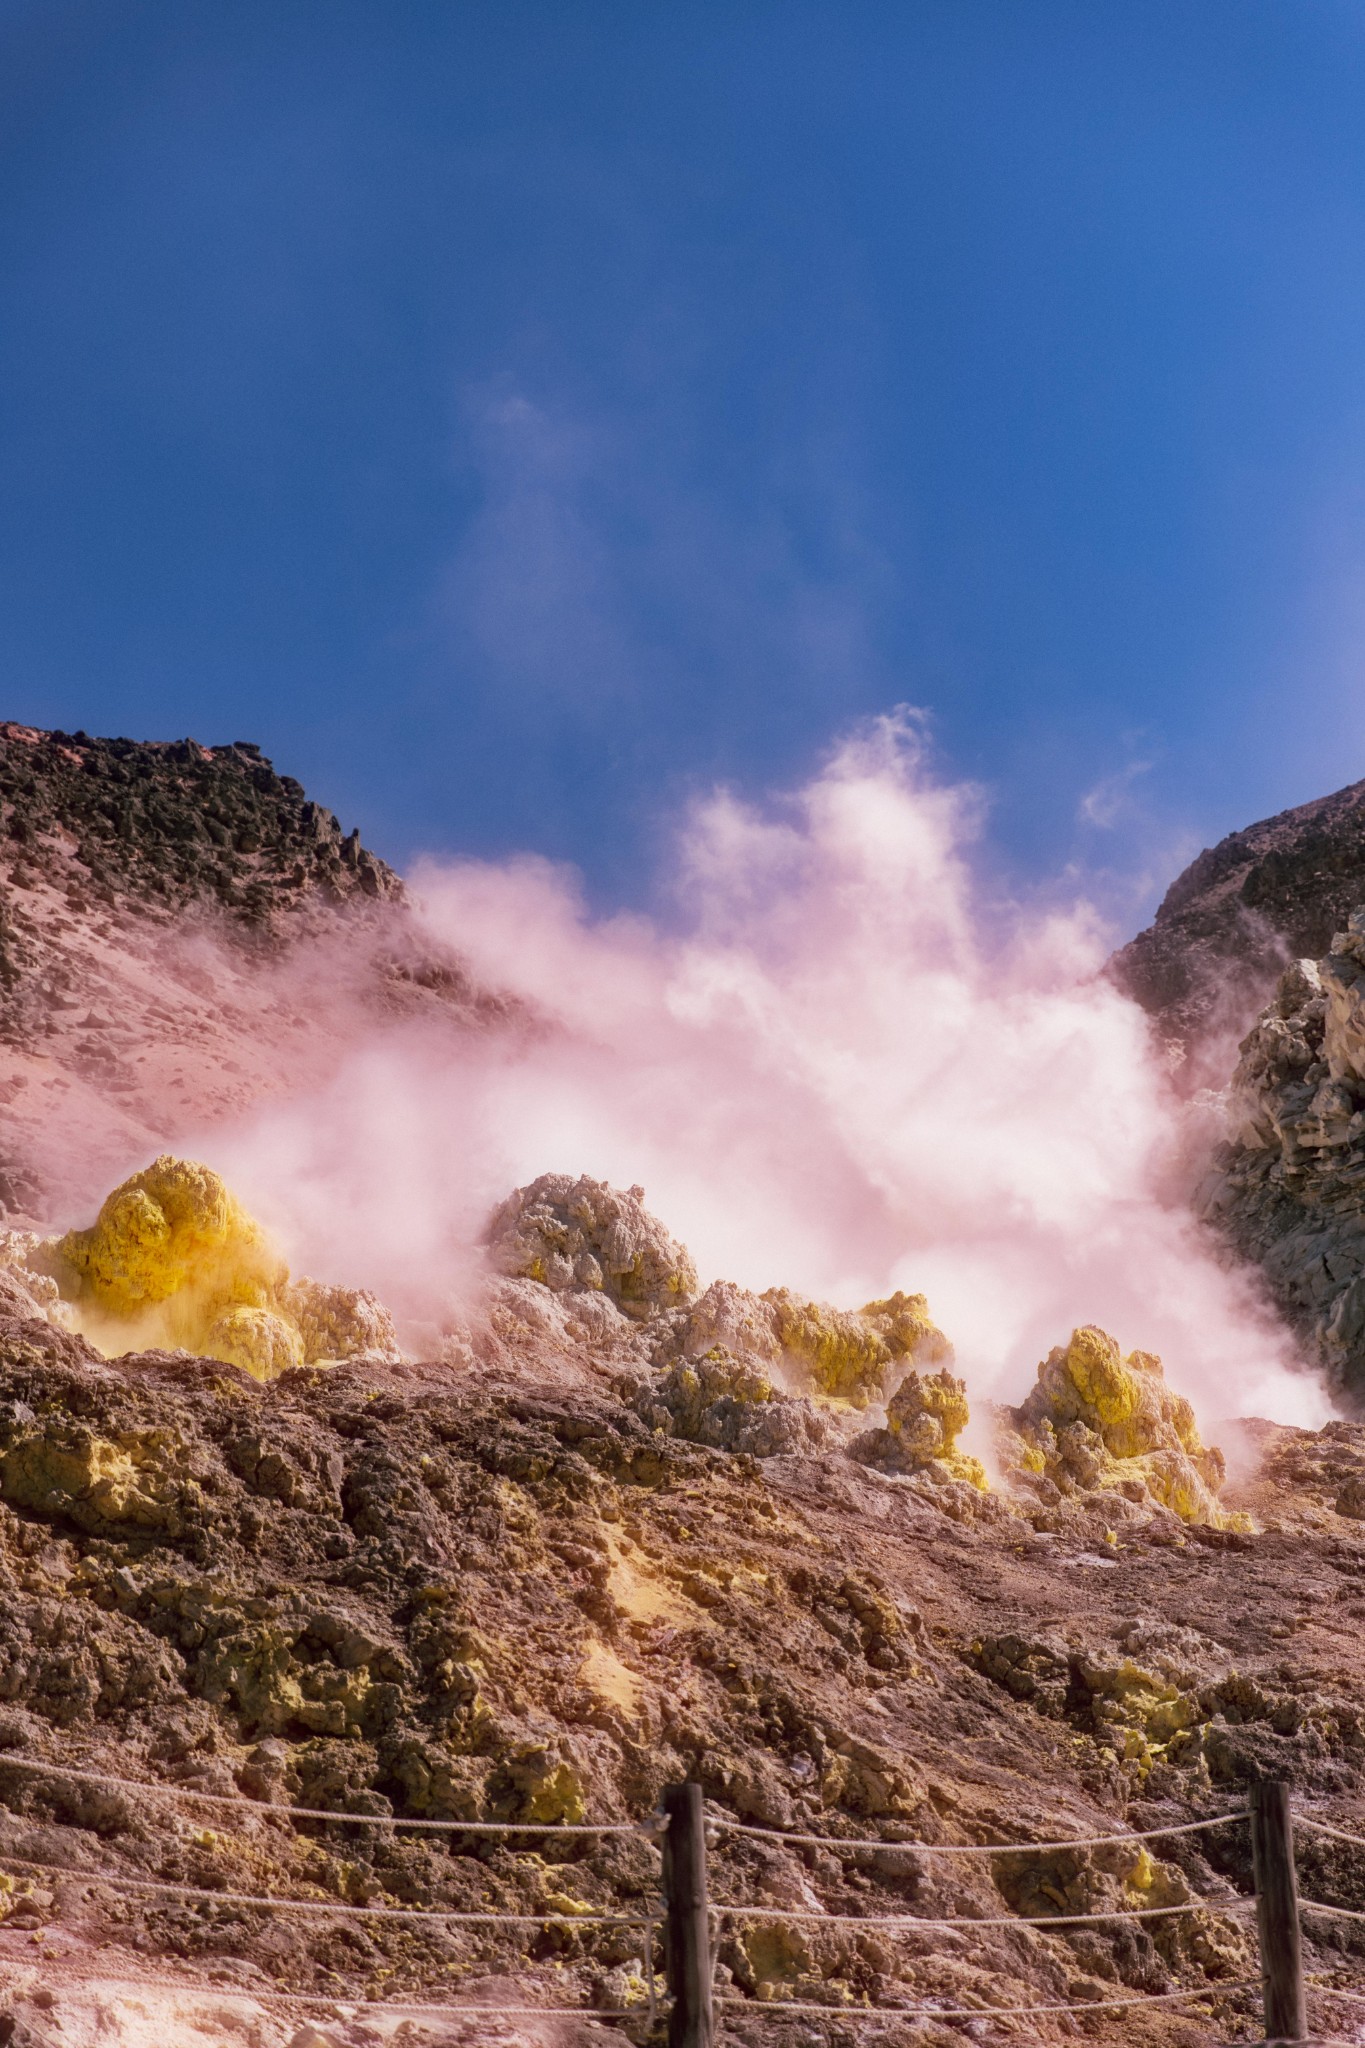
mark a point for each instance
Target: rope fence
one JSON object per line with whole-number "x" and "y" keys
{"x": 338, "y": 1908}
{"x": 690, "y": 1919}
{"x": 268, "y": 1810}
{"x": 985, "y": 2012}
{"x": 1041, "y": 1921}
{"x": 843, "y": 1842}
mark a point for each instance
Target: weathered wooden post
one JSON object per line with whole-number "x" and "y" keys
{"x": 687, "y": 1934}
{"x": 1277, "y": 1911}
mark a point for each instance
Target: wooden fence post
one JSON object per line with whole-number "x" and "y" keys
{"x": 687, "y": 1934}
{"x": 1277, "y": 1911}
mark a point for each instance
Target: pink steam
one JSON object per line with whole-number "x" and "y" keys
{"x": 841, "y": 1074}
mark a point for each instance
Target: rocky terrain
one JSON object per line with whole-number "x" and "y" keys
{"x": 622, "y": 1530}
{"x": 1227, "y": 926}
{"x": 626, "y": 1533}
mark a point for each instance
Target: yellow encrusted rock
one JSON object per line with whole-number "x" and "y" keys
{"x": 173, "y": 1259}
{"x": 846, "y": 1352}
{"x": 257, "y": 1339}
{"x": 172, "y": 1229}
{"x": 927, "y": 1414}
{"x": 1097, "y": 1421}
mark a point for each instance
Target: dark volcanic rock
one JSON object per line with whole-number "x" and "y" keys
{"x": 171, "y": 822}
{"x": 1229, "y": 923}
{"x": 1287, "y": 1187}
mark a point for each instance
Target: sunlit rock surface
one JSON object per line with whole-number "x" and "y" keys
{"x": 843, "y": 1353}
{"x": 582, "y": 1563}
{"x": 567, "y": 1232}
{"x": 1228, "y": 924}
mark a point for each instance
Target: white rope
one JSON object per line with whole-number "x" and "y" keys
{"x": 1331, "y": 1991}
{"x": 993, "y": 2012}
{"x": 1184, "y": 1827}
{"x": 329, "y": 2002}
{"x": 1339, "y": 1912}
{"x": 422, "y": 1913}
{"x": 261, "y": 1811}
{"x": 648, "y": 1829}
{"x": 1323, "y": 1827}
{"x": 1003, "y": 1920}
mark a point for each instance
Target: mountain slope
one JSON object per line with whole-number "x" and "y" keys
{"x": 182, "y": 932}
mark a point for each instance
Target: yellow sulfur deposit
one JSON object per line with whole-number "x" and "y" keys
{"x": 174, "y": 1260}
{"x": 173, "y": 1230}
{"x": 846, "y": 1353}
{"x": 927, "y": 1414}
{"x": 1097, "y": 1421}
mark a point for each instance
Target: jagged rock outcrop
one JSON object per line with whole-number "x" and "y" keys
{"x": 924, "y": 1419}
{"x": 1227, "y": 925}
{"x": 845, "y": 1354}
{"x": 774, "y": 1375}
{"x": 1287, "y": 1187}
{"x": 731, "y": 1405}
{"x": 170, "y": 823}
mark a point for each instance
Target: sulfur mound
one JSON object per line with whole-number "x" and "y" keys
{"x": 582, "y": 1233}
{"x": 257, "y": 1339}
{"x": 340, "y": 1322}
{"x": 844, "y": 1354}
{"x": 1097, "y": 1422}
{"x": 173, "y": 1259}
{"x": 926, "y": 1415}
{"x": 171, "y": 1231}
{"x": 924, "y": 1419}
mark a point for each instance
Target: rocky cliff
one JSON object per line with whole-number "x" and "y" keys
{"x": 1237, "y": 914}
{"x": 1286, "y": 1185}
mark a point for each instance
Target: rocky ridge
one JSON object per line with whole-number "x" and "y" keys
{"x": 1236, "y": 915}
{"x": 182, "y": 931}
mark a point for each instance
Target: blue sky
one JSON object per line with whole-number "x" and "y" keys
{"x": 518, "y": 416}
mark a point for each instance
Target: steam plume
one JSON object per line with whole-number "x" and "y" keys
{"x": 842, "y": 1071}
